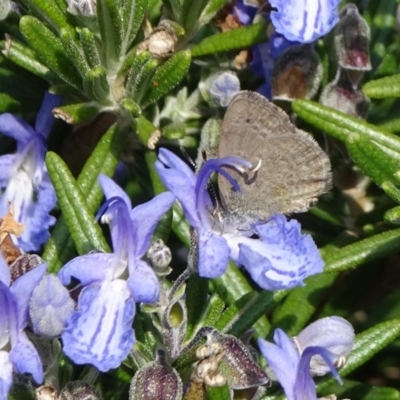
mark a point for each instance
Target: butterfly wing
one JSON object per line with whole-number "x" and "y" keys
{"x": 294, "y": 170}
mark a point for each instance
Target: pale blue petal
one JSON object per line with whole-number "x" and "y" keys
{"x": 332, "y": 333}
{"x": 100, "y": 331}
{"x": 179, "y": 179}
{"x": 36, "y": 217}
{"x": 50, "y": 307}
{"x": 22, "y": 290}
{"x": 213, "y": 254}
{"x": 15, "y": 127}
{"x": 90, "y": 268}
{"x": 283, "y": 257}
{"x": 111, "y": 189}
{"x": 6, "y": 374}
{"x": 145, "y": 218}
{"x": 283, "y": 358}
{"x": 45, "y": 118}
{"x": 143, "y": 283}
{"x": 304, "y": 20}
{"x": 25, "y": 358}
{"x": 6, "y": 164}
{"x": 304, "y": 385}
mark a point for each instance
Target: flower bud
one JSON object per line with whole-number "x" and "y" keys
{"x": 156, "y": 380}
{"x": 297, "y": 73}
{"x": 79, "y": 390}
{"x": 341, "y": 95}
{"x": 352, "y": 41}
{"x": 224, "y": 87}
{"x": 159, "y": 255}
{"x": 82, "y": 7}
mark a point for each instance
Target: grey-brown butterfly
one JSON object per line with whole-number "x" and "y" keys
{"x": 291, "y": 170}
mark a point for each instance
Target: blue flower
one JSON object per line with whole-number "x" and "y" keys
{"x": 304, "y": 21}
{"x": 292, "y": 365}
{"x": 17, "y": 353}
{"x": 280, "y": 258}
{"x": 23, "y": 176}
{"x": 283, "y": 258}
{"x": 100, "y": 331}
{"x": 295, "y": 22}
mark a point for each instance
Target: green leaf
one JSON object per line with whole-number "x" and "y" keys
{"x": 75, "y": 51}
{"x": 133, "y": 12}
{"x": 341, "y": 126}
{"x": 110, "y": 24}
{"x": 361, "y": 391}
{"x": 382, "y": 30}
{"x": 211, "y": 9}
{"x": 180, "y": 226}
{"x": 382, "y": 88}
{"x": 301, "y": 303}
{"x": 367, "y": 344}
{"x": 372, "y": 248}
{"x": 392, "y": 216}
{"x": 392, "y": 191}
{"x": 26, "y": 58}
{"x": 142, "y": 71}
{"x": 76, "y": 113}
{"x": 144, "y": 129}
{"x": 96, "y": 86}
{"x": 89, "y": 47}
{"x": 236, "y": 39}
{"x": 196, "y": 301}
{"x": 167, "y": 76}
{"x": 131, "y": 107}
{"x": 218, "y": 392}
{"x": 392, "y": 125}
{"x": 377, "y": 161}
{"x": 232, "y": 313}
{"x": 175, "y": 7}
{"x": 50, "y": 50}
{"x": 85, "y": 233}
{"x": 104, "y": 159}
{"x": 191, "y": 11}
{"x": 50, "y": 12}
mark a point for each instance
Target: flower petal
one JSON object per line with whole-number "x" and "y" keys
{"x": 111, "y": 189}
{"x": 6, "y": 376}
{"x": 145, "y": 218}
{"x": 304, "y": 384}
{"x": 283, "y": 257}
{"x": 45, "y": 118}
{"x": 283, "y": 358}
{"x": 15, "y": 127}
{"x": 6, "y": 164}
{"x": 213, "y": 255}
{"x": 304, "y": 20}
{"x": 90, "y": 268}
{"x": 181, "y": 181}
{"x": 332, "y": 333}
{"x": 22, "y": 290}
{"x": 50, "y": 307}
{"x": 25, "y": 358}
{"x": 36, "y": 217}
{"x": 100, "y": 331}
{"x": 143, "y": 283}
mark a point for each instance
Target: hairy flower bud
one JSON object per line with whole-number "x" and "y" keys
{"x": 79, "y": 390}
{"x": 156, "y": 380}
{"x": 297, "y": 73}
